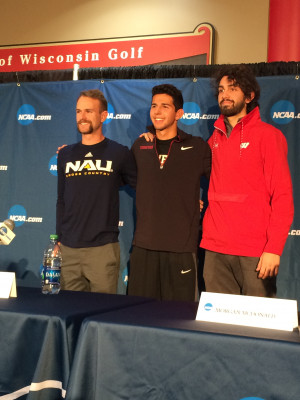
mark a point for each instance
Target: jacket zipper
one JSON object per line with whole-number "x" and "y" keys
{"x": 162, "y": 164}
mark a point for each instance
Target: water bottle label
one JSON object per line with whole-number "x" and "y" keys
{"x": 51, "y": 276}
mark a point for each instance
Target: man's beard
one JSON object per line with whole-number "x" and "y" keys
{"x": 230, "y": 111}
{"x": 91, "y": 129}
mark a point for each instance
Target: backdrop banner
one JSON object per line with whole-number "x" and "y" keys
{"x": 36, "y": 118}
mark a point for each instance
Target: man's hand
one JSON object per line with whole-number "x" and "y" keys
{"x": 56, "y": 249}
{"x": 268, "y": 265}
{"x": 201, "y": 204}
{"x": 148, "y": 136}
{"x": 61, "y": 147}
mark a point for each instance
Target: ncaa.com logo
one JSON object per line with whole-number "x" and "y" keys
{"x": 112, "y": 115}
{"x": 295, "y": 232}
{"x": 18, "y": 214}
{"x": 252, "y": 398}
{"x": 26, "y": 115}
{"x": 208, "y": 307}
{"x": 52, "y": 165}
{"x": 192, "y": 114}
{"x": 283, "y": 112}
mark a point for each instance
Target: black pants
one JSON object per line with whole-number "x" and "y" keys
{"x": 163, "y": 275}
{"x": 224, "y": 273}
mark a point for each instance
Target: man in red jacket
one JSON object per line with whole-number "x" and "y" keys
{"x": 250, "y": 192}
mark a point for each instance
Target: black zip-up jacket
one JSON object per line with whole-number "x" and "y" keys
{"x": 167, "y": 197}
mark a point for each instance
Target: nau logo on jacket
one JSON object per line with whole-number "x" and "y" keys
{"x": 89, "y": 165}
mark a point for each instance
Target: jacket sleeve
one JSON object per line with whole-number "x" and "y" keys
{"x": 128, "y": 171}
{"x": 207, "y": 161}
{"x": 279, "y": 185}
{"x": 60, "y": 195}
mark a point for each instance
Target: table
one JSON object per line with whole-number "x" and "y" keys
{"x": 38, "y": 337}
{"x": 157, "y": 351}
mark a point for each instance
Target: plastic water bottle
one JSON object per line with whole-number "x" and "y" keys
{"x": 51, "y": 267}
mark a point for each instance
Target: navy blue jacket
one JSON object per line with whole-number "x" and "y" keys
{"x": 89, "y": 178}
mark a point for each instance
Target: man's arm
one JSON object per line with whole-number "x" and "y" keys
{"x": 207, "y": 161}
{"x": 279, "y": 186}
{"x": 60, "y": 204}
{"x": 129, "y": 170}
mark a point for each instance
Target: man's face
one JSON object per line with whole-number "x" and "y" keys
{"x": 89, "y": 117}
{"x": 162, "y": 113}
{"x": 231, "y": 98}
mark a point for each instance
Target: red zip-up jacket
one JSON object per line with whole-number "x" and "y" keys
{"x": 250, "y": 191}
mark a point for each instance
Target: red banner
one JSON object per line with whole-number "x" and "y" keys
{"x": 125, "y": 52}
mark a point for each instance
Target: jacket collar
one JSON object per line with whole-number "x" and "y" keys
{"x": 181, "y": 135}
{"x": 253, "y": 115}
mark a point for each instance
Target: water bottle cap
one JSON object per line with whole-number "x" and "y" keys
{"x": 55, "y": 237}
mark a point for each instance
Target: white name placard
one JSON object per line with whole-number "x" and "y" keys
{"x": 260, "y": 312}
{"x": 8, "y": 285}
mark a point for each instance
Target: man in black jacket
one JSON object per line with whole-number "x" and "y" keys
{"x": 163, "y": 262}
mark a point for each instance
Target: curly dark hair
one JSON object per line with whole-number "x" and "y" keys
{"x": 171, "y": 91}
{"x": 243, "y": 76}
{"x": 95, "y": 94}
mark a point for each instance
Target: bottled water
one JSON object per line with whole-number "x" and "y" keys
{"x": 51, "y": 267}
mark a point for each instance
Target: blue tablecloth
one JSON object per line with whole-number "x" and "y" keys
{"x": 157, "y": 351}
{"x": 38, "y": 336}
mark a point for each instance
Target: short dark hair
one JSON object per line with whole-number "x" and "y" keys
{"x": 243, "y": 77}
{"x": 171, "y": 91}
{"x": 95, "y": 94}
